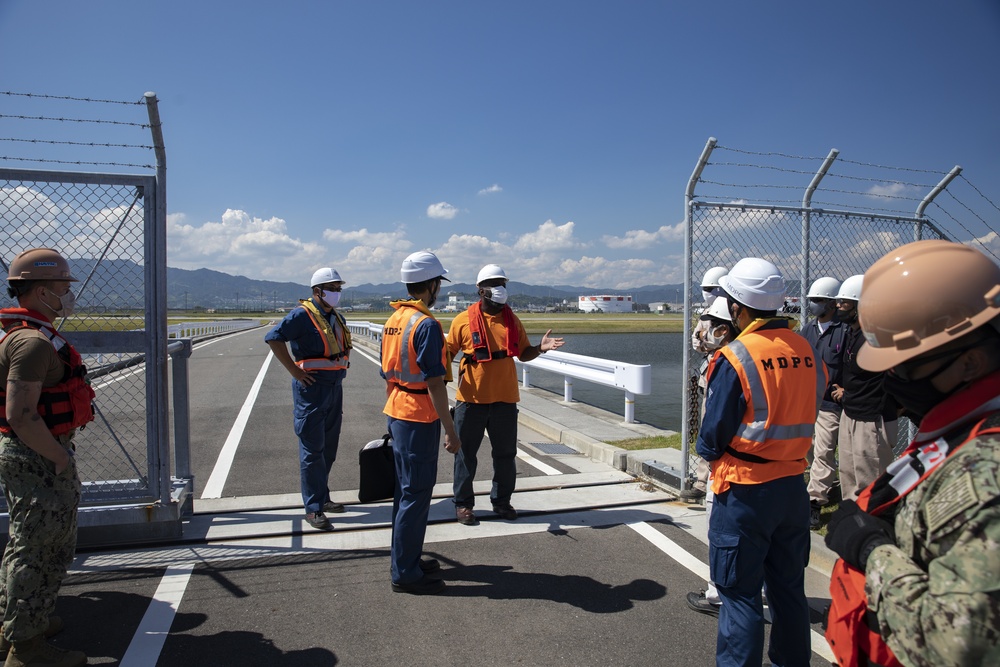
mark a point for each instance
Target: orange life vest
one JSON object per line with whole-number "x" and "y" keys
{"x": 783, "y": 386}
{"x": 481, "y": 352}
{"x": 336, "y": 349}
{"x": 67, "y": 405}
{"x": 852, "y": 628}
{"x": 408, "y": 397}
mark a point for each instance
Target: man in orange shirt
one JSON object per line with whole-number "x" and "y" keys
{"x": 487, "y": 337}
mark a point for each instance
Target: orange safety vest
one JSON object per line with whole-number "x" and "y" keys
{"x": 408, "y": 397}
{"x": 783, "y": 386}
{"x": 480, "y": 341}
{"x": 64, "y": 406}
{"x": 852, "y": 628}
{"x": 336, "y": 350}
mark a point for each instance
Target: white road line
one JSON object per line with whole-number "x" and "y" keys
{"x": 367, "y": 356}
{"x": 217, "y": 480}
{"x": 679, "y": 554}
{"x": 532, "y": 461}
{"x": 144, "y": 650}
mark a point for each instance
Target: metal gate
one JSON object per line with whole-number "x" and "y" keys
{"x": 112, "y": 230}
{"x": 804, "y": 242}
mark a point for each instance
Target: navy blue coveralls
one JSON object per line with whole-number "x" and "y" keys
{"x": 318, "y": 408}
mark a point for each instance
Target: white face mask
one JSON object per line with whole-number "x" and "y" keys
{"x": 67, "y": 304}
{"x": 713, "y": 341}
{"x": 710, "y": 295}
{"x": 331, "y": 298}
{"x": 498, "y": 294}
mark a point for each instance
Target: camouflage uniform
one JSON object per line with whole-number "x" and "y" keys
{"x": 936, "y": 591}
{"x": 43, "y": 519}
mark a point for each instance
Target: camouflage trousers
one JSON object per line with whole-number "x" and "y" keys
{"x": 42, "y": 541}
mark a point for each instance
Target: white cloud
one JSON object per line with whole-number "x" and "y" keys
{"x": 638, "y": 239}
{"x": 548, "y": 238}
{"x": 493, "y": 189}
{"x": 888, "y": 190}
{"x": 441, "y": 211}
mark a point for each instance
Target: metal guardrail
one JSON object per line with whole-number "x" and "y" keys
{"x": 633, "y": 379}
{"x": 195, "y": 329}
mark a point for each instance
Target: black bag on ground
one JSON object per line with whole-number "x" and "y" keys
{"x": 378, "y": 470}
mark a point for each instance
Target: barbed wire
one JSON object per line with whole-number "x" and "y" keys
{"x": 839, "y": 159}
{"x": 967, "y": 208}
{"x": 859, "y": 193}
{"x": 77, "y": 162}
{"x": 67, "y": 97}
{"x": 74, "y": 143}
{"x": 969, "y": 183}
{"x": 972, "y": 236}
{"x": 76, "y": 120}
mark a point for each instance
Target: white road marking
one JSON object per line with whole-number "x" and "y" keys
{"x": 532, "y": 461}
{"x": 144, "y": 650}
{"x": 217, "y": 480}
{"x": 679, "y": 554}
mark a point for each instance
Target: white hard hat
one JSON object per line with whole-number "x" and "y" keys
{"x": 489, "y": 272}
{"x": 719, "y": 310}
{"x": 851, "y": 288}
{"x": 824, "y": 288}
{"x": 421, "y": 266}
{"x": 755, "y": 283}
{"x": 711, "y": 278}
{"x": 325, "y": 275}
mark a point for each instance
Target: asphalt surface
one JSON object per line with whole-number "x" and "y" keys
{"x": 594, "y": 572}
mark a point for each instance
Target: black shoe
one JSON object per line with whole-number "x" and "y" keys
{"x": 429, "y": 565}
{"x": 333, "y": 508}
{"x": 698, "y": 603}
{"x": 465, "y": 516}
{"x": 424, "y": 586}
{"x": 692, "y": 495}
{"x": 319, "y": 521}
{"x": 814, "y": 515}
{"x": 505, "y": 512}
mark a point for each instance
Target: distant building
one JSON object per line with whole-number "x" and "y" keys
{"x": 456, "y": 303}
{"x": 605, "y": 303}
{"x": 660, "y": 307}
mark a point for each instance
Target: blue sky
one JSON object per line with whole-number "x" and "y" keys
{"x": 553, "y": 138}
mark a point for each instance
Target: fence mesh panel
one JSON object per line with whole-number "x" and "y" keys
{"x": 99, "y": 227}
{"x": 840, "y": 244}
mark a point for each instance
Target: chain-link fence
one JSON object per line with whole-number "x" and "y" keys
{"x": 805, "y": 243}
{"x": 101, "y": 224}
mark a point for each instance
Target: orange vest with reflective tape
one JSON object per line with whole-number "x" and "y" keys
{"x": 336, "y": 350}
{"x": 783, "y": 384}
{"x": 408, "y": 397}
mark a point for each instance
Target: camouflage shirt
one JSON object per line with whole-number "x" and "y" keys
{"x": 936, "y": 591}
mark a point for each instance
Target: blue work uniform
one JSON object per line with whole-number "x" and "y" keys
{"x": 758, "y": 534}
{"x": 415, "y": 448}
{"x": 318, "y": 408}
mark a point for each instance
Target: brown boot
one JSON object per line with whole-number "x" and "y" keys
{"x": 36, "y": 652}
{"x": 56, "y": 626}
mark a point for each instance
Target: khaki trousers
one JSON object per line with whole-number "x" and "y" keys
{"x": 865, "y": 452}
{"x": 823, "y": 471}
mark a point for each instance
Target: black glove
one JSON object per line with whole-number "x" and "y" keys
{"x": 853, "y": 534}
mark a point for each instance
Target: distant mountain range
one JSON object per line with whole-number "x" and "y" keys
{"x": 118, "y": 284}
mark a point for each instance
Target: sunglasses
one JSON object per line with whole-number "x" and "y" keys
{"x": 905, "y": 370}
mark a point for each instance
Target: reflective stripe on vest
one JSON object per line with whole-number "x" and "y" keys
{"x": 757, "y": 430}
{"x": 323, "y": 364}
{"x": 403, "y": 374}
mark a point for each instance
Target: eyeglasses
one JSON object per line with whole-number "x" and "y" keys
{"x": 819, "y": 300}
{"x": 331, "y": 288}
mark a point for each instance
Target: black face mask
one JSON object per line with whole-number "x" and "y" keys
{"x": 916, "y": 397}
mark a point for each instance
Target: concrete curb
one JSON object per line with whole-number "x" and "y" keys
{"x": 595, "y": 449}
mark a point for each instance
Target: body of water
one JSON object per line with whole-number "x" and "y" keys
{"x": 662, "y": 408}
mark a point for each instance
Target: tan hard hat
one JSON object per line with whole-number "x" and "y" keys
{"x": 40, "y": 264}
{"x": 921, "y": 296}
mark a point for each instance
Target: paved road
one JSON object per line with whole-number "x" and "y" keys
{"x": 593, "y": 573}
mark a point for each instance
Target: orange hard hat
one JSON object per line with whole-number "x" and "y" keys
{"x": 39, "y": 264}
{"x": 924, "y": 295}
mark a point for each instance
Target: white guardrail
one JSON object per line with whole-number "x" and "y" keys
{"x": 633, "y": 379}
{"x": 207, "y": 328}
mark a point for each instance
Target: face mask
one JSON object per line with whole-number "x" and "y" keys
{"x": 817, "y": 309}
{"x": 713, "y": 341}
{"x": 434, "y": 295}
{"x": 331, "y": 298}
{"x": 498, "y": 295}
{"x": 709, "y": 295}
{"x": 917, "y": 397}
{"x": 67, "y": 304}
{"x": 849, "y": 316}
